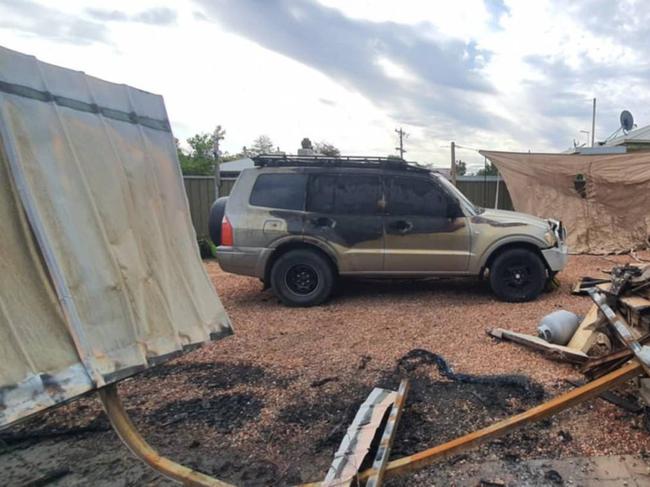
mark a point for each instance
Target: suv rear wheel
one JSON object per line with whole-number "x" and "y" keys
{"x": 517, "y": 275}
{"x": 302, "y": 278}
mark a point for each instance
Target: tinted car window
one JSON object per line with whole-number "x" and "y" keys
{"x": 283, "y": 191}
{"x": 358, "y": 194}
{"x": 321, "y": 193}
{"x": 411, "y": 196}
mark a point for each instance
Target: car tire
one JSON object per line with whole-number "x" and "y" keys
{"x": 517, "y": 275}
{"x": 302, "y": 278}
{"x": 217, "y": 210}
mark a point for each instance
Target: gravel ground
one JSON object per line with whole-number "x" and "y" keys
{"x": 269, "y": 405}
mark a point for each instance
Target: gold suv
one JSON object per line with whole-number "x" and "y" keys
{"x": 299, "y": 222}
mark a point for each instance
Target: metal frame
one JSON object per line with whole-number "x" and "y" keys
{"x": 129, "y": 434}
{"x": 363, "y": 162}
{"x": 132, "y": 438}
{"x": 386, "y": 443}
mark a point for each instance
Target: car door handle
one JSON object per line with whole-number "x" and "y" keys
{"x": 402, "y": 226}
{"x": 323, "y": 222}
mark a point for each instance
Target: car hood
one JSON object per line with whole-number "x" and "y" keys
{"x": 514, "y": 217}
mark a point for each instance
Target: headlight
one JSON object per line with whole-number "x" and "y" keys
{"x": 550, "y": 238}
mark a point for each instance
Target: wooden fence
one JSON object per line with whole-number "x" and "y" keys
{"x": 200, "y": 195}
{"x": 482, "y": 191}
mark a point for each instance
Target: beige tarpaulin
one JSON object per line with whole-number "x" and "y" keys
{"x": 609, "y": 212}
{"x": 100, "y": 272}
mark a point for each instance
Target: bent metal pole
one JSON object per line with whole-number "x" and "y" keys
{"x": 132, "y": 438}
{"x": 555, "y": 405}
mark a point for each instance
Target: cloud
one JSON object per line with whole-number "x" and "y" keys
{"x": 153, "y": 16}
{"x": 37, "y": 20}
{"x": 435, "y": 81}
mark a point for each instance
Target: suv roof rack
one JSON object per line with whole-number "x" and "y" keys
{"x": 364, "y": 162}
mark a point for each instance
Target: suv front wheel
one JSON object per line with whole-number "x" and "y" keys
{"x": 302, "y": 278}
{"x": 517, "y": 275}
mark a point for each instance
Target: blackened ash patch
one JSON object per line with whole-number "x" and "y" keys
{"x": 219, "y": 375}
{"x": 225, "y": 412}
{"x": 417, "y": 357}
{"x": 436, "y": 410}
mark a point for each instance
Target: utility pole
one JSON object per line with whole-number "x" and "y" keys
{"x": 593, "y": 124}
{"x": 217, "y": 136}
{"x": 402, "y": 136}
{"x": 453, "y": 163}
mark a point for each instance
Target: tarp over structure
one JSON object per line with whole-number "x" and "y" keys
{"x": 608, "y": 213}
{"x": 100, "y": 275}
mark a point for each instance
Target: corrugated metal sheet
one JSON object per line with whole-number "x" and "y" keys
{"x": 101, "y": 275}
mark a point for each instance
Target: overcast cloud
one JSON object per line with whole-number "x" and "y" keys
{"x": 489, "y": 74}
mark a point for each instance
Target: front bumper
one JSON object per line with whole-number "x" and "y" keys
{"x": 556, "y": 257}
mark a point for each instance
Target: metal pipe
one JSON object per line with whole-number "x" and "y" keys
{"x": 453, "y": 163}
{"x": 132, "y": 438}
{"x": 555, "y": 405}
{"x": 593, "y": 124}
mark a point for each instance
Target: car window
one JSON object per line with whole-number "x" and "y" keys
{"x": 320, "y": 196}
{"x": 282, "y": 191}
{"x": 413, "y": 196}
{"x": 356, "y": 194}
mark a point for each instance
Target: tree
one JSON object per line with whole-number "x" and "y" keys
{"x": 461, "y": 168}
{"x": 200, "y": 159}
{"x": 203, "y": 153}
{"x": 489, "y": 170}
{"x": 327, "y": 149}
{"x": 261, "y": 145}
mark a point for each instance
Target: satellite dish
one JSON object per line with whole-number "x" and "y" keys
{"x": 627, "y": 121}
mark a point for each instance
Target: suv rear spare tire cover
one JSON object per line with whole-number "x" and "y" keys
{"x": 217, "y": 211}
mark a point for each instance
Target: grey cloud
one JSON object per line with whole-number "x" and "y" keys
{"x": 36, "y": 19}
{"x": 107, "y": 15}
{"x": 153, "y": 16}
{"x": 156, "y": 16}
{"x": 563, "y": 97}
{"x": 328, "y": 102}
{"x": 347, "y": 51}
{"x": 625, "y": 22}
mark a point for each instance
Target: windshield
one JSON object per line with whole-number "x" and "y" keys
{"x": 462, "y": 199}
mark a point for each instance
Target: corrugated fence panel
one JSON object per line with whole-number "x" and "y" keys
{"x": 200, "y": 195}
{"x": 483, "y": 192}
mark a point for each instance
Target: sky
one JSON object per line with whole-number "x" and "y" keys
{"x": 487, "y": 74}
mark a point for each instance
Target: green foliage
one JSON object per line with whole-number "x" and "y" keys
{"x": 262, "y": 145}
{"x": 461, "y": 168}
{"x": 489, "y": 170}
{"x": 327, "y": 149}
{"x": 200, "y": 159}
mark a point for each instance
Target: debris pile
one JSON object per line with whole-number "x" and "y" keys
{"x": 614, "y": 331}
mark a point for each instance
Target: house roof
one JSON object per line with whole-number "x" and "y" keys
{"x": 640, "y": 135}
{"x": 236, "y": 165}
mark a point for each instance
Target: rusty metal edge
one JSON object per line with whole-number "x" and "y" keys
{"x": 386, "y": 443}
{"x": 132, "y": 438}
{"x": 564, "y": 401}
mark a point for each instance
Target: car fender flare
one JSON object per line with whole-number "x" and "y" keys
{"x": 304, "y": 241}
{"x": 509, "y": 240}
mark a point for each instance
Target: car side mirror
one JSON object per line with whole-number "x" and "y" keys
{"x": 453, "y": 209}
